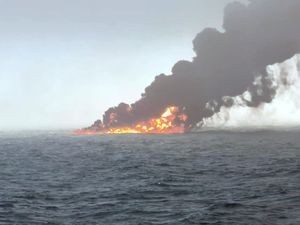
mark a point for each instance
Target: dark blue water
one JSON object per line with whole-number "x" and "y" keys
{"x": 206, "y": 178}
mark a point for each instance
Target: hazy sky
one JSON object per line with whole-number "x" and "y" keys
{"x": 64, "y": 62}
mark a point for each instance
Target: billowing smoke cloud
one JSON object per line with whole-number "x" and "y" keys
{"x": 255, "y": 35}
{"x": 283, "y": 111}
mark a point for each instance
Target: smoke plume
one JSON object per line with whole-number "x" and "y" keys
{"x": 261, "y": 33}
{"x": 284, "y": 110}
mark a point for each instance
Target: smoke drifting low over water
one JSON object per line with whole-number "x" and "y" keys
{"x": 282, "y": 111}
{"x": 255, "y": 35}
{"x": 207, "y": 178}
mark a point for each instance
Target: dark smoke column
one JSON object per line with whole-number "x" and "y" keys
{"x": 261, "y": 33}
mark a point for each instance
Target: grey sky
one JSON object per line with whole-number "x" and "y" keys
{"x": 62, "y": 63}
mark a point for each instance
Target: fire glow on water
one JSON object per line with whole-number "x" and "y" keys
{"x": 170, "y": 122}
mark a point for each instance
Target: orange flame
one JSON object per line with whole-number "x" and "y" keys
{"x": 169, "y": 122}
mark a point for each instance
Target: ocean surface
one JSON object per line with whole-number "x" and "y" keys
{"x": 213, "y": 177}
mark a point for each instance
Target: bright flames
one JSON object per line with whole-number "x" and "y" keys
{"x": 170, "y": 122}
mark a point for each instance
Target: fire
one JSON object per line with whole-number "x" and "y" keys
{"x": 164, "y": 124}
{"x": 170, "y": 122}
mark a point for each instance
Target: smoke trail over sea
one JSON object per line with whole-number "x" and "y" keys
{"x": 284, "y": 110}
{"x": 256, "y": 35}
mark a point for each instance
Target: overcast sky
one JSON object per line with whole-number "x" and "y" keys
{"x": 64, "y": 62}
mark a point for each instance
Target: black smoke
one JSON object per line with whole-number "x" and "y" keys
{"x": 257, "y": 34}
